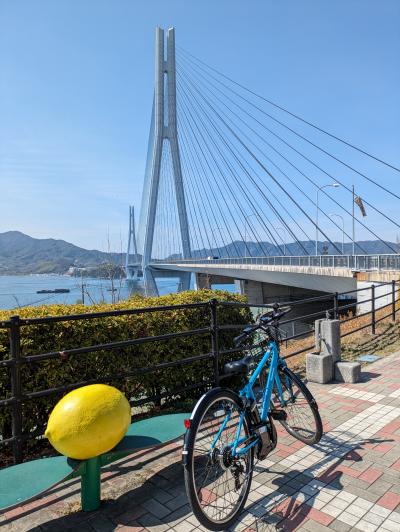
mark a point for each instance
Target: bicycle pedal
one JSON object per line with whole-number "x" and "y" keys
{"x": 278, "y": 415}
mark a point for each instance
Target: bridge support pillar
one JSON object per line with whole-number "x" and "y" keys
{"x": 203, "y": 280}
{"x": 184, "y": 281}
{"x": 253, "y": 290}
{"x": 149, "y": 282}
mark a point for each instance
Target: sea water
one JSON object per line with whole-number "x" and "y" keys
{"x": 21, "y": 290}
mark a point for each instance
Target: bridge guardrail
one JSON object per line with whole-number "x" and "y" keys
{"x": 386, "y": 262}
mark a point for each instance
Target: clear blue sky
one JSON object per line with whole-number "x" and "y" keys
{"x": 76, "y": 82}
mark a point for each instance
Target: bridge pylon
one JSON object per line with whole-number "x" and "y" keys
{"x": 132, "y": 264}
{"x": 163, "y": 135}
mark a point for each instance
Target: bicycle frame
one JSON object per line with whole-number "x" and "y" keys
{"x": 247, "y": 393}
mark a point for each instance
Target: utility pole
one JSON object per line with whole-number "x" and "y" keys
{"x": 82, "y": 289}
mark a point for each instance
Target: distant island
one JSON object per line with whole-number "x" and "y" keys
{"x": 21, "y": 254}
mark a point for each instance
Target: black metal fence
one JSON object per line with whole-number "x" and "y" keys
{"x": 333, "y": 305}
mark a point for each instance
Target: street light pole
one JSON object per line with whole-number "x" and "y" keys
{"x": 334, "y": 185}
{"x": 341, "y": 217}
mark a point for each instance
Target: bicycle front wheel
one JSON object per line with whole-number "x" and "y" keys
{"x": 217, "y": 483}
{"x": 302, "y": 416}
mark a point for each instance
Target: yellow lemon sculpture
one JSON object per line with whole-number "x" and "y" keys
{"x": 89, "y": 421}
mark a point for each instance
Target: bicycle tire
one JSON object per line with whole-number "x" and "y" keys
{"x": 196, "y": 435}
{"x": 295, "y": 424}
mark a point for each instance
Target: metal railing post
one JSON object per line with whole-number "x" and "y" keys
{"x": 373, "y": 309}
{"x": 393, "y": 300}
{"x": 16, "y": 389}
{"x": 335, "y": 306}
{"x": 214, "y": 338}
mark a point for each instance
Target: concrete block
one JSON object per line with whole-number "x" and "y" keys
{"x": 347, "y": 371}
{"x": 319, "y": 368}
{"x": 330, "y": 339}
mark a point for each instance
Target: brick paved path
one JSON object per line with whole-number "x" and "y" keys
{"x": 349, "y": 481}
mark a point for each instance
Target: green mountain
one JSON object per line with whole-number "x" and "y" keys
{"x": 22, "y": 254}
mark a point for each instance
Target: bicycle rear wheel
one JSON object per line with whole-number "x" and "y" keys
{"x": 217, "y": 483}
{"x": 302, "y": 416}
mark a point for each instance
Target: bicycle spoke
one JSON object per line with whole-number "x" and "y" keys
{"x": 220, "y": 480}
{"x": 300, "y": 418}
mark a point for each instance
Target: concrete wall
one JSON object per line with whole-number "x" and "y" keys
{"x": 259, "y": 292}
{"x": 363, "y": 305}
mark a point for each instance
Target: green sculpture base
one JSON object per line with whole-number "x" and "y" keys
{"x": 24, "y": 482}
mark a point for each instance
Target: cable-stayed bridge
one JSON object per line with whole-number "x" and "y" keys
{"x": 238, "y": 187}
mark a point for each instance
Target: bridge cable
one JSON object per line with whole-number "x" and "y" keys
{"x": 211, "y": 209}
{"x": 193, "y": 188}
{"x": 216, "y": 181}
{"x": 194, "y": 204}
{"x": 246, "y": 193}
{"x": 318, "y": 128}
{"x": 254, "y": 183}
{"x": 247, "y": 149}
{"x": 204, "y": 142}
{"x": 192, "y": 213}
{"x": 305, "y": 157}
{"x": 234, "y": 198}
{"x": 198, "y": 213}
{"x": 284, "y": 173}
{"x": 316, "y": 166}
{"x": 203, "y": 203}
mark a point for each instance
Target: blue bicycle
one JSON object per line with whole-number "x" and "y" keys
{"x": 227, "y": 429}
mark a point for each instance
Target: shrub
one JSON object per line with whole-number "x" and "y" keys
{"x": 95, "y": 366}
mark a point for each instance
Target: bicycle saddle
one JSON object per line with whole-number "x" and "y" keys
{"x": 239, "y": 367}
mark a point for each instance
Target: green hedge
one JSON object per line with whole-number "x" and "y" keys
{"x": 59, "y": 336}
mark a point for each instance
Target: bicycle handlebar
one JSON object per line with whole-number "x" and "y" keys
{"x": 270, "y": 319}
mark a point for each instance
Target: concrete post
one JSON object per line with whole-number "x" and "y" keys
{"x": 320, "y": 365}
{"x": 325, "y": 364}
{"x": 330, "y": 339}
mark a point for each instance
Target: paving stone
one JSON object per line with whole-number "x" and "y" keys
{"x": 314, "y": 526}
{"x": 156, "y": 508}
{"x": 100, "y": 523}
{"x": 339, "y": 526}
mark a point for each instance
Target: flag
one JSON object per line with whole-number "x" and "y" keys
{"x": 358, "y": 201}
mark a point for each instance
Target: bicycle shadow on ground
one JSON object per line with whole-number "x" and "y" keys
{"x": 287, "y": 507}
